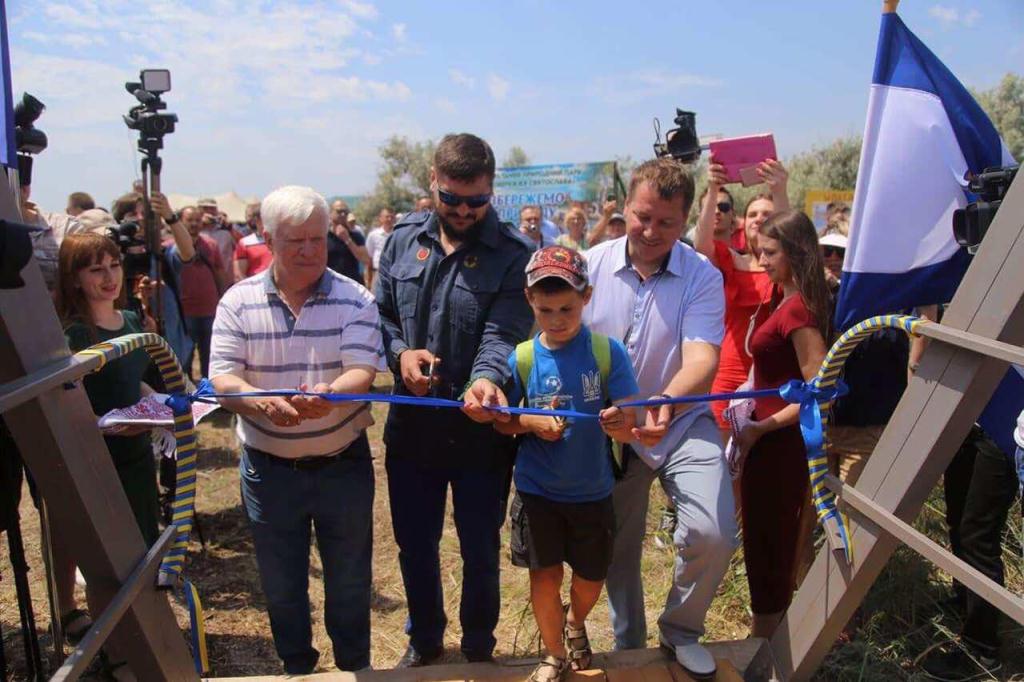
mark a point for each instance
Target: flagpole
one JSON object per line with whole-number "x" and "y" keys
{"x": 889, "y": 6}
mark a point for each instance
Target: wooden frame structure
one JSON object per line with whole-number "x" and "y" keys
{"x": 55, "y": 429}
{"x": 53, "y": 424}
{"x": 981, "y": 333}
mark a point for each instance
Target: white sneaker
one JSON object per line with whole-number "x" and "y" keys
{"x": 696, "y": 660}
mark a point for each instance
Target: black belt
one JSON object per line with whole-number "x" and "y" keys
{"x": 312, "y": 463}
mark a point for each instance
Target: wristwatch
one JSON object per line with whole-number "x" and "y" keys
{"x": 173, "y": 219}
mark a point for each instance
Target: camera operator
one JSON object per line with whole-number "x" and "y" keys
{"x": 201, "y": 277}
{"x": 128, "y": 207}
{"x": 78, "y": 203}
{"x": 215, "y": 226}
{"x": 127, "y": 212}
{"x": 538, "y": 230}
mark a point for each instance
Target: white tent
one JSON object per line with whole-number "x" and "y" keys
{"x": 229, "y": 202}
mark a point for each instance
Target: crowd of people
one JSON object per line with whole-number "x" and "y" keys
{"x": 445, "y": 298}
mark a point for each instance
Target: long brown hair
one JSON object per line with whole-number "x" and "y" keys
{"x": 77, "y": 252}
{"x": 799, "y": 240}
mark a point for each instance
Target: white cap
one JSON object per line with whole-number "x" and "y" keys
{"x": 833, "y": 239}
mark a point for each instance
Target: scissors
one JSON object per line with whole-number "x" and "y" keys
{"x": 432, "y": 379}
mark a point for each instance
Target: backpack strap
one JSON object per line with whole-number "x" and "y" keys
{"x": 524, "y": 363}
{"x": 601, "y": 347}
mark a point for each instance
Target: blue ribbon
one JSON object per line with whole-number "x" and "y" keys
{"x": 809, "y": 396}
{"x": 181, "y": 403}
{"x": 205, "y": 393}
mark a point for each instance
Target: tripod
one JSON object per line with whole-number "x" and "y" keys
{"x": 10, "y": 487}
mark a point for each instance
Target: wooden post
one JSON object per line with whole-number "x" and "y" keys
{"x": 57, "y": 435}
{"x": 948, "y": 392}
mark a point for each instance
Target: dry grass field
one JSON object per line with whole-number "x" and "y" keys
{"x": 900, "y": 620}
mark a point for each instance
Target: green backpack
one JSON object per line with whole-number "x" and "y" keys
{"x": 601, "y": 348}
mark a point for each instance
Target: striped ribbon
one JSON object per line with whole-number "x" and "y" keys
{"x": 828, "y": 376}
{"x": 183, "y": 505}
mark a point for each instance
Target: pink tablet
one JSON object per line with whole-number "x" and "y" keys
{"x": 740, "y": 156}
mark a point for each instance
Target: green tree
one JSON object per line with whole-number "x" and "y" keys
{"x": 516, "y": 158}
{"x": 833, "y": 166}
{"x": 404, "y": 176}
{"x": 1004, "y": 104}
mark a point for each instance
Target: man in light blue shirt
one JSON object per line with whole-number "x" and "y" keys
{"x": 666, "y": 303}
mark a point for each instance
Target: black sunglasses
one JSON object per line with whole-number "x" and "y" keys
{"x": 723, "y": 206}
{"x": 453, "y": 200}
{"x": 833, "y": 251}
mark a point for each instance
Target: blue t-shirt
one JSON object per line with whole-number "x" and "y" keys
{"x": 577, "y": 467}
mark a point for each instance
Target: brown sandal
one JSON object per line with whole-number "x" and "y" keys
{"x": 550, "y": 669}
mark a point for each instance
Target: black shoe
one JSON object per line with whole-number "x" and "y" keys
{"x": 957, "y": 664}
{"x": 478, "y": 658}
{"x": 416, "y": 659}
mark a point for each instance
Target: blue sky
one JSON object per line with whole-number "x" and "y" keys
{"x": 272, "y": 93}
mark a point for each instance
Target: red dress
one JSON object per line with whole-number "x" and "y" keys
{"x": 744, "y": 291}
{"x": 774, "y": 483}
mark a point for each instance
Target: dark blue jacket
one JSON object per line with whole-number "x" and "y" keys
{"x": 469, "y": 309}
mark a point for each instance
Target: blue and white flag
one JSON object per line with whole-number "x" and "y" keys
{"x": 923, "y": 137}
{"x": 8, "y": 155}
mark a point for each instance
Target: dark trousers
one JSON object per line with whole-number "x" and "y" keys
{"x": 773, "y": 490}
{"x": 200, "y": 329}
{"x": 418, "y": 494}
{"x": 285, "y": 507}
{"x": 980, "y": 485}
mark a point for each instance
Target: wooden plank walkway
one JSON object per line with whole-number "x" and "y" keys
{"x": 745, "y": 660}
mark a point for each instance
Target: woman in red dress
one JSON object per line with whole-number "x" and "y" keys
{"x": 790, "y": 344}
{"x": 747, "y": 286}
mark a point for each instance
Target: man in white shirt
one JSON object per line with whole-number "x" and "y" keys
{"x": 665, "y": 301}
{"x": 305, "y": 462}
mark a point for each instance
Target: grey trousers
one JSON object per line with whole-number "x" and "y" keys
{"x": 696, "y": 479}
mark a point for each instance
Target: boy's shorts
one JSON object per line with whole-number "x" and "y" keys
{"x": 546, "y": 533}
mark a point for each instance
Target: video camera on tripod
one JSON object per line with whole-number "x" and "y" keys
{"x": 148, "y": 117}
{"x": 681, "y": 143}
{"x": 153, "y": 123}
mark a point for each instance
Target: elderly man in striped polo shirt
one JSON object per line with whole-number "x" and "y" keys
{"x": 305, "y": 461}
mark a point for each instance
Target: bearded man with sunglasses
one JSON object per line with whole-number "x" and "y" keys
{"x": 450, "y": 293}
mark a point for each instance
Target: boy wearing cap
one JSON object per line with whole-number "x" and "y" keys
{"x": 564, "y": 476}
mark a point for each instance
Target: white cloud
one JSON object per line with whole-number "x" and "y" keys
{"x": 444, "y": 104}
{"x": 951, "y": 17}
{"x": 498, "y": 87}
{"x": 83, "y": 16}
{"x": 398, "y": 32}
{"x": 648, "y": 83}
{"x": 237, "y": 54}
{"x": 265, "y": 93}
{"x": 361, "y": 10}
{"x": 462, "y": 79}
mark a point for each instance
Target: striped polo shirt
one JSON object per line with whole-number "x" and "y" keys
{"x": 258, "y": 339}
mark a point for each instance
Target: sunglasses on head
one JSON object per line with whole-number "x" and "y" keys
{"x": 723, "y": 206}
{"x": 833, "y": 251}
{"x": 453, "y": 200}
